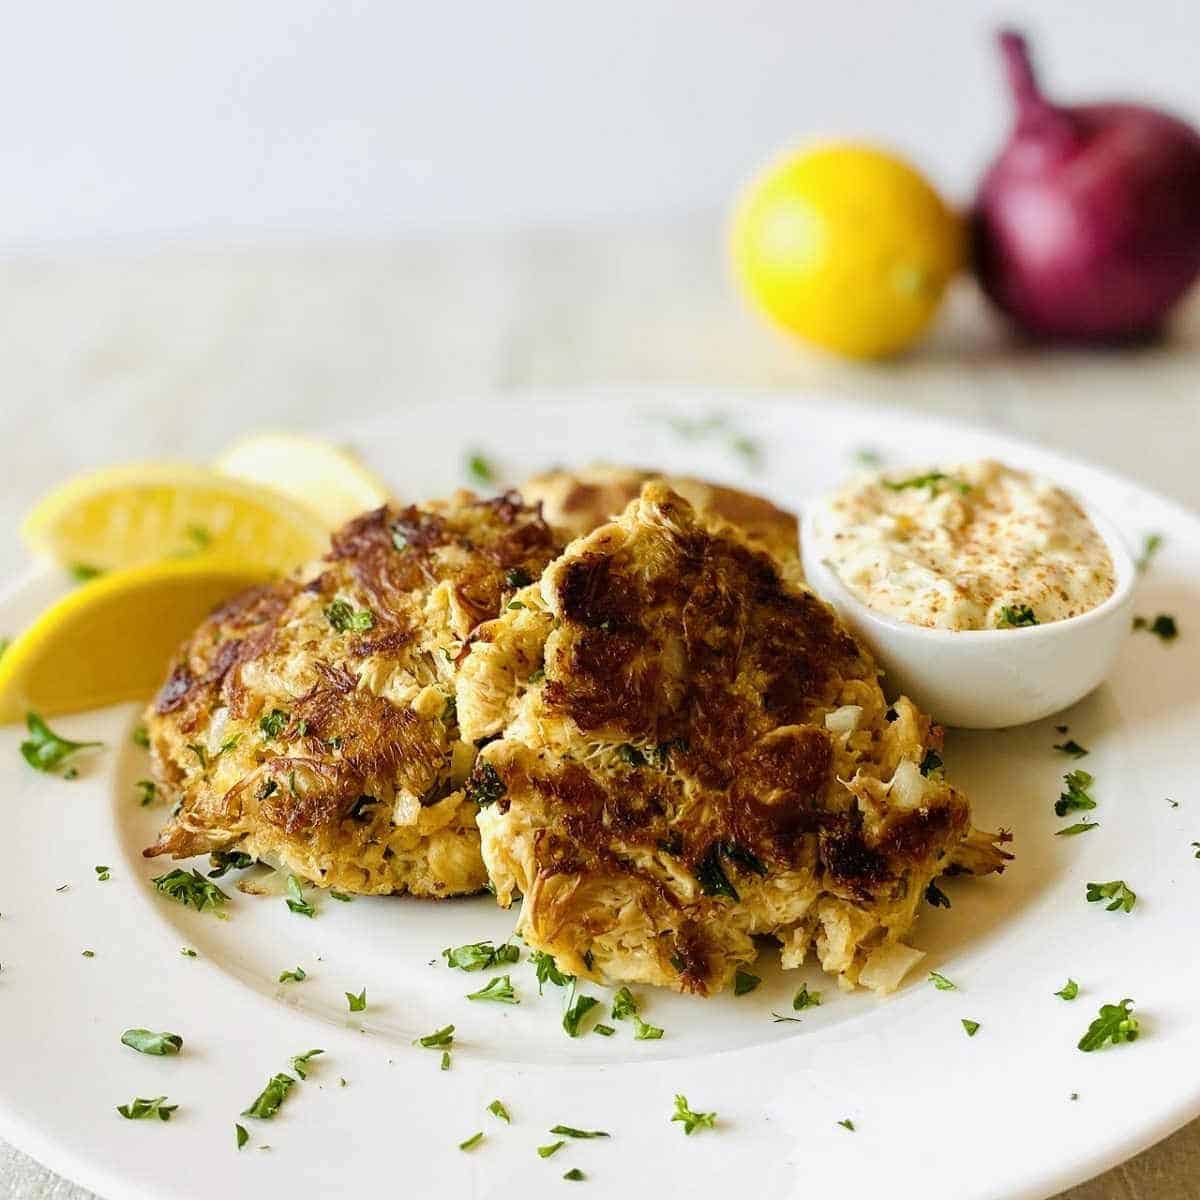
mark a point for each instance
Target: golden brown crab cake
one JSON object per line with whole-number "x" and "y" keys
{"x": 311, "y": 723}
{"x": 695, "y": 752}
{"x": 576, "y": 502}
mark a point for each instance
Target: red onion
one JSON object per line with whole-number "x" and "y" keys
{"x": 1088, "y": 224}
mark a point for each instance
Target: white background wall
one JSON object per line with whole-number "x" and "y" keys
{"x": 245, "y": 118}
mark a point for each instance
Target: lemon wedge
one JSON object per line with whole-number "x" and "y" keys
{"x": 124, "y": 516}
{"x": 324, "y": 478}
{"x": 111, "y": 639}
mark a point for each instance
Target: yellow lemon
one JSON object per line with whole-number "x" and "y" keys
{"x": 111, "y": 639}
{"x": 847, "y": 246}
{"x": 328, "y": 480}
{"x": 122, "y": 516}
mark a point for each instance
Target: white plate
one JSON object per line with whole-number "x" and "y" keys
{"x": 989, "y": 1116}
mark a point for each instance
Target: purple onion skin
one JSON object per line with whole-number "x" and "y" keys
{"x": 1087, "y": 227}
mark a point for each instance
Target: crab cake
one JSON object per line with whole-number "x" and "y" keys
{"x": 311, "y": 723}
{"x": 694, "y": 752}
{"x": 576, "y": 502}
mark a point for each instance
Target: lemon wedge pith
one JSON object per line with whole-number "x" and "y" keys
{"x": 111, "y": 639}
{"x": 324, "y": 478}
{"x": 125, "y": 516}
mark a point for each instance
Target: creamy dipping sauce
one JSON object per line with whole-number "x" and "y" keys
{"x": 977, "y": 546}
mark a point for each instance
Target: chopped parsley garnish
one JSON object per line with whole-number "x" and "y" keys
{"x": 711, "y": 876}
{"x": 940, "y": 982}
{"x": 295, "y": 898}
{"x": 480, "y": 468}
{"x": 690, "y": 1120}
{"x": 88, "y": 953}
{"x": 141, "y": 736}
{"x": 576, "y": 1011}
{"x": 480, "y": 956}
{"x": 1116, "y": 890}
{"x": 44, "y": 749}
{"x": 866, "y": 456}
{"x": 300, "y": 1062}
{"x": 935, "y": 896}
{"x": 146, "y": 1042}
{"x": 187, "y": 952}
{"x": 497, "y": 1109}
{"x": 445, "y": 1060}
{"x": 81, "y": 572}
{"x": 972, "y": 1027}
{"x": 1071, "y": 747}
{"x": 931, "y": 480}
{"x": 930, "y": 761}
{"x": 484, "y": 785}
{"x": 1163, "y": 626}
{"x": 5, "y": 642}
{"x": 201, "y": 754}
{"x": 1172, "y": 803}
{"x": 224, "y": 861}
{"x": 543, "y": 965}
{"x": 846, "y": 1123}
{"x": 538, "y": 675}
{"x": 344, "y": 618}
{"x": 1069, "y": 990}
{"x": 266, "y": 1104}
{"x": 1016, "y": 616}
{"x": 575, "y": 1175}
{"x": 437, "y": 1040}
{"x": 571, "y": 1132}
{"x": 1076, "y": 798}
{"x": 147, "y": 1110}
{"x": 299, "y": 975}
{"x": 1196, "y": 847}
{"x": 1151, "y": 545}
{"x": 191, "y": 888}
{"x": 553, "y": 1148}
{"x": 1078, "y": 827}
{"x": 340, "y": 896}
{"x": 603, "y": 1030}
{"x": 357, "y": 1003}
{"x": 805, "y": 999}
{"x": 102, "y": 874}
{"x": 516, "y": 577}
{"x": 242, "y": 1136}
{"x": 273, "y": 723}
{"x": 147, "y": 792}
{"x": 472, "y": 1141}
{"x": 624, "y": 1007}
{"x": 498, "y": 989}
{"x": 1116, "y": 1024}
{"x": 744, "y": 982}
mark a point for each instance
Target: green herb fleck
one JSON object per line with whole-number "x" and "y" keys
{"x": 299, "y": 975}
{"x": 141, "y": 736}
{"x": 334, "y": 895}
{"x": 1078, "y": 827}
{"x": 438, "y": 1039}
{"x": 102, "y": 874}
{"x": 931, "y": 761}
{"x": 480, "y": 956}
{"x": 357, "y": 1003}
{"x": 1116, "y": 890}
{"x": 295, "y": 898}
{"x": 497, "y": 1109}
{"x": 499, "y": 989}
{"x": 603, "y": 1030}
{"x": 1016, "y": 616}
{"x": 344, "y": 618}
{"x": 933, "y": 480}
{"x": 147, "y": 1110}
{"x": 1071, "y": 747}
{"x": 1069, "y": 990}
{"x": 224, "y": 861}
{"x": 242, "y": 1136}
{"x": 1116, "y": 1024}
{"x": 44, "y": 749}
{"x": 266, "y": 1104}
{"x": 88, "y": 953}
{"x": 445, "y": 1060}
{"x": 692, "y": 1120}
{"x": 575, "y": 1175}
{"x": 1150, "y": 547}
{"x": 472, "y": 1141}
{"x": 82, "y": 572}
{"x": 805, "y": 999}
{"x": 571, "y": 1132}
{"x": 273, "y": 723}
{"x": 972, "y": 1027}
{"x": 147, "y": 792}
{"x": 1163, "y": 626}
{"x": 543, "y": 964}
{"x": 480, "y": 469}
{"x": 553, "y": 1148}
{"x": 187, "y": 952}
{"x": 191, "y": 889}
{"x": 847, "y": 1124}
{"x": 576, "y": 1011}
{"x": 484, "y": 785}
{"x": 940, "y": 982}
{"x": 1076, "y": 798}
{"x": 146, "y": 1042}
{"x": 300, "y": 1062}
{"x": 744, "y": 982}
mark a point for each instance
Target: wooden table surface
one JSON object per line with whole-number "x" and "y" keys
{"x": 119, "y": 355}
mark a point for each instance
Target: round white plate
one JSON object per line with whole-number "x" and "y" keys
{"x": 995, "y": 1115}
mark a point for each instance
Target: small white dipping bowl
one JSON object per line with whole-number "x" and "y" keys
{"x": 985, "y": 678}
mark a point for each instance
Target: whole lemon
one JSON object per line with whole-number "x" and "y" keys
{"x": 847, "y": 246}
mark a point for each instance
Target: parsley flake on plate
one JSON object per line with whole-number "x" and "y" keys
{"x": 472, "y": 1141}
{"x": 932, "y": 480}
{"x": 299, "y": 975}
{"x": 575, "y": 1175}
{"x": 357, "y": 1003}
{"x": 295, "y": 898}
{"x": 1071, "y": 747}
{"x": 553, "y": 1148}
{"x": 1117, "y": 891}
{"x": 445, "y": 1060}
{"x": 940, "y": 982}
{"x": 272, "y": 724}
{"x": 440, "y": 1037}
{"x": 1016, "y": 616}
{"x": 224, "y": 861}
{"x": 242, "y": 1136}
{"x": 44, "y": 749}
{"x": 141, "y": 737}
{"x": 147, "y": 1110}
{"x": 497, "y": 1109}
{"x": 972, "y": 1027}
{"x": 691, "y": 1120}
{"x": 344, "y": 618}
{"x": 1116, "y": 1023}
{"x": 1069, "y": 990}
{"x": 480, "y": 468}
{"x": 603, "y": 1030}
{"x": 1163, "y": 626}
{"x": 499, "y": 989}
{"x": 191, "y": 889}
{"x": 103, "y": 875}
{"x": 266, "y": 1104}
{"x": 300, "y": 1062}
{"x": 480, "y": 956}
{"x": 744, "y": 982}
{"x": 146, "y": 1042}
{"x": 805, "y": 999}
{"x": 147, "y": 792}
{"x": 1077, "y": 797}
{"x": 846, "y": 1123}
{"x": 571, "y": 1132}
{"x": 579, "y": 1007}
{"x": 624, "y": 1007}
{"x": 1078, "y": 827}
{"x": 936, "y": 897}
